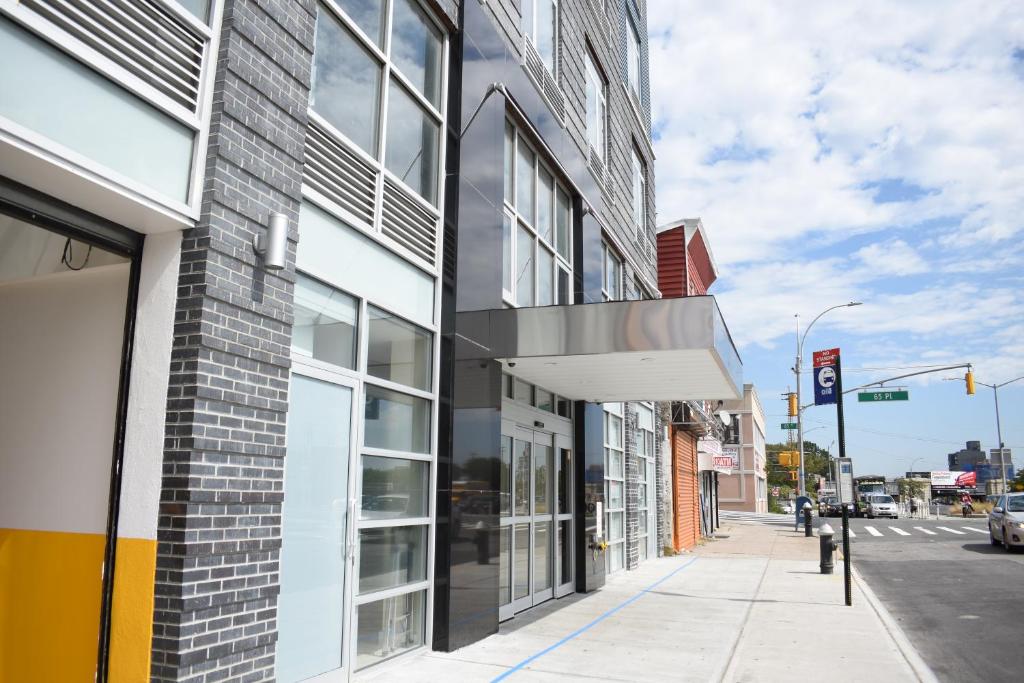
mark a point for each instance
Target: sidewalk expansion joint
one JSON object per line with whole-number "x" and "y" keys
{"x": 595, "y": 622}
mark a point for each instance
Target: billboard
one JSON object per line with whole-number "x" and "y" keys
{"x": 946, "y": 479}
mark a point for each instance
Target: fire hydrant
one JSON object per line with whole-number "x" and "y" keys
{"x": 808, "y": 532}
{"x": 827, "y": 546}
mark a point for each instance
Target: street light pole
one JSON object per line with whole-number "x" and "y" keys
{"x": 797, "y": 369}
{"x": 999, "y": 428}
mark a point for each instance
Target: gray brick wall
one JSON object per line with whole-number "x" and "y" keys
{"x": 219, "y": 527}
{"x": 631, "y": 492}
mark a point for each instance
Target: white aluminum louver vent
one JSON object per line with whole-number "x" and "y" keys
{"x": 408, "y": 223}
{"x": 339, "y": 174}
{"x": 545, "y": 81}
{"x": 141, "y": 36}
{"x": 596, "y": 165}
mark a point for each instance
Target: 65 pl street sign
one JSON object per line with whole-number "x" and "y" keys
{"x": 874, "y": 396}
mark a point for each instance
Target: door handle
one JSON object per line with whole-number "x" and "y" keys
{"x": 351, "y": 544}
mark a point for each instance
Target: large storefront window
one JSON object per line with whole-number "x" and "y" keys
{"x": 355, "y": 558}
{"x": 646, "y": 483}
{"x": 536, "y": 240}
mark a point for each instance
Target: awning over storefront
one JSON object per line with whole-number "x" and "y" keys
{"x": 653, "y": 350}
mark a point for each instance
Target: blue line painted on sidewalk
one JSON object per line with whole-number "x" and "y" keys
{"x": 598, "y": 620}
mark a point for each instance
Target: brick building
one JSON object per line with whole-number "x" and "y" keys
{"x": 745, "y": 487}
{"x": 273, "y": 410}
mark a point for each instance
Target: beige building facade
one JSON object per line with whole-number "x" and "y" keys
{"x": 746, "y": 489}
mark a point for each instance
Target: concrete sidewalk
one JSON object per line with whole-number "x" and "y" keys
{"x": 748, "y": 606}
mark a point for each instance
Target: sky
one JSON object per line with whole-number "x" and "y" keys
{"x": 869, "y": 151}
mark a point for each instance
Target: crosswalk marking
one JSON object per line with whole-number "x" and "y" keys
{"x": 952, "y": 531}
{"x": 971, "y": 528}
{"x": 900, "y": 531}
{"x": 927, "y": 531}
{"x": 873, "y": 531}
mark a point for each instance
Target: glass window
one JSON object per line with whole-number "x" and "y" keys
{"x": 632, "y": 58}
{"x": 540, "y": 24}
{"x": 389, "y": 627}
{"x": 398, "y": 351}
{"x": 505, "y": 494}
{"x": 615, "y": 468}
{"x": 563, "y": 287}
{"x": 544, "y": 207}
{"x": 367, "y": 15}
{"x": 504, "y": 566}
{"x": 510, "y": 161}
{"x": 40, "y": 85}
{"x": 564, "y": 407}
{"x": 522, "y": 478}
{"x": 564, "y": 481}
{"x": 639, "y": 195}
{"x": 543, "y": 465}
{"x": 337, "y": 253}
{"x": 616, "y": 554}
{"x": 545, "y": 400}
{"x": 200, "y": 8}
{"x": 396, "y": 421}
{"x": 391, "y": 556}
{"x": 543, "y": 564}
{"x": 521, "y": 587}
{"x": 545, "y": 277}
{"x": 325, "y": 323}
{"x": 597, "y": 99}
{"x": 346, "y": 83}
{"x": 393, "y": 488}
{"x": 524, "y": 267}
{"x": 614, "y": 434}
{"x": 523, "y": 391}
{"x": 562, "y": 225}
{"x": 506, "y": 253}
{"x": 615, "y": 496}
{"x": 612, "y": 274}
{"x": 525, "y": 184}
{"x": 412, "y": 143}
{"x": 615, "y": 525}
{"x": 416, "y": 49}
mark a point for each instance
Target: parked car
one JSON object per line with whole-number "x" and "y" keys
{"x": 882, "y": 506}
{"x": 1006, "y": 521}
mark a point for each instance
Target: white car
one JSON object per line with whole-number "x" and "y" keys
{"x": 882, "y": 506}
{"x": 1006, "y": 521}
{"x": 788, "y": 508}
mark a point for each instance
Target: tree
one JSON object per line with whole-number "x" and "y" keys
{"x": 910, "y": 488}
{"x": 1018, "y": 483}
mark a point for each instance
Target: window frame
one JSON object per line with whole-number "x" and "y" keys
{"x": 634, "y": 58}
{"x": 639, "y": 191}
{"x": 530, "y": 32}
{"x": 359, "y": 379}
{"x": 610, "y": 255}
{"x": 595, "y": 76}
{"x": 614, "y": 411}
{"x": 390, "y": 73}
{"x": 512, "y": 213}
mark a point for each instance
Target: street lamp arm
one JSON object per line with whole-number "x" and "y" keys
{"x": 1000, "y": 386}
{"x": 818, "y": 317}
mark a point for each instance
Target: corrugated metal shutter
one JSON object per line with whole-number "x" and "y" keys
{"x": 685, "y": 490}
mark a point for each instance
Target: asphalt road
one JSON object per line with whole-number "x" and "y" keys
{"x": 959, "y": 599}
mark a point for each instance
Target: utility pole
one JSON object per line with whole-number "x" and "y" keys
{"x": 797, "y": 368}
{"x": 999, "y": 428}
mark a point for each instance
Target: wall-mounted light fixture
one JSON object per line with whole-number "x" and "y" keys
{"x": 273, "y": 248}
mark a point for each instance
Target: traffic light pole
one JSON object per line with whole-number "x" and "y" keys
{"x": 847, "y": 576}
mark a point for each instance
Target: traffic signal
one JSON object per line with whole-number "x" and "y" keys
{"x": 793, "y": 404}
{"x": 793, "y": 476}
{"x": 969, "y": 379}
{"x": 789, "y": 458}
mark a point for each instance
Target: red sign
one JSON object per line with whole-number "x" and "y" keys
{"x": 967, "y": 479}
{"x": 825, "y": 358}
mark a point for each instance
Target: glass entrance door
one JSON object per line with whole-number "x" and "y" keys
{"x": 536, "y": 519}
{"x": 317, "y": 531}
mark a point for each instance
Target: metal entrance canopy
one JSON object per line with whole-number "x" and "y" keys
{"x": 652, "y": 350}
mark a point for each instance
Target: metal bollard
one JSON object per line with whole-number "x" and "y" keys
{"x": 826, "y": 546}
{"x": 808, "y": 532}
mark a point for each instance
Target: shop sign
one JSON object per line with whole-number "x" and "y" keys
{"x": 708, "y": 445}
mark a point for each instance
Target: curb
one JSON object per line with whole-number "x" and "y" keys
{"x": 917, "y": 664}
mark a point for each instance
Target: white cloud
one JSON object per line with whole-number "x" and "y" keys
{"x": 808, "y": 106}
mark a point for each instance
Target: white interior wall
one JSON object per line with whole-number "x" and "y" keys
{"x": 60, "y": 360}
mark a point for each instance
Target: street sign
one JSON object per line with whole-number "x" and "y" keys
{"x": 826, "y": 357}
{"x": 875, "y": 396}
{"x": 789, "y": 425}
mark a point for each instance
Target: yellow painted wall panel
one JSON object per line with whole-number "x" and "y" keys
{"x": 50, "y": 593}
{"x": 131, "y": 622}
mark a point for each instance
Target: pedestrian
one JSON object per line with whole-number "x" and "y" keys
{"x": 913, "y": 507}
{"x": 966, "y": 507}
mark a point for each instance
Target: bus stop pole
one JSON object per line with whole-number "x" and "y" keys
{"x": 847, "y": 577}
